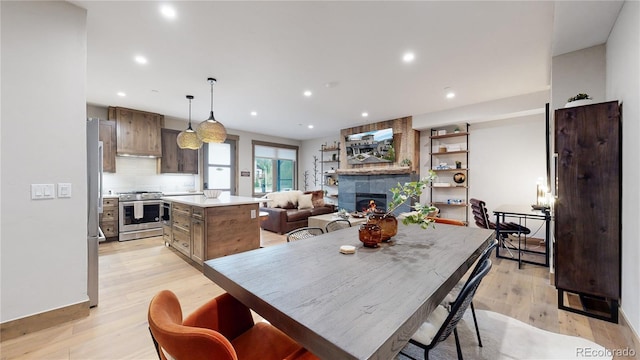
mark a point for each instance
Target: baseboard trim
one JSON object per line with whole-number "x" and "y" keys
{"x": 16, "y": 328}
{"x": 634, "y": 335}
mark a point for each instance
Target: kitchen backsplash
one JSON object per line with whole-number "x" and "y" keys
{"x": 140, "y": 174}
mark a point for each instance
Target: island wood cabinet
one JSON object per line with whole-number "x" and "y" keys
{"x": 109, "y": 218}
{"x": 174, "y": 159}
{"x": 181, "y": 228}
{"x": 188, "y": 231}
{"x": 203, "y": 233}
{"x": 108, "y": 138}
{"x": 587, "y": 209}
{"x": 137, "y": 132}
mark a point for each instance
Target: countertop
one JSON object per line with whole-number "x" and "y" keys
{"x": 182, "y": 193}
{"x": 222, "y": 200}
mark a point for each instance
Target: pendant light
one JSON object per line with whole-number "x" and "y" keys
{"x": 188, "y": 139}
{"x": 211, "y": 130}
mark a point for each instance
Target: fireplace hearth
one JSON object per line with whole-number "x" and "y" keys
{"x": 356, "y": 189}
{"x": 370, "y": 202}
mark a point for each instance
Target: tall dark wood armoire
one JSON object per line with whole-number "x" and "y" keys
{"x": 587, "y": 209}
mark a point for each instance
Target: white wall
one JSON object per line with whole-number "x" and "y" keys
{"x": 44, "y": 242}
{"x": 506, "y": 148}
{"x": 581, "y": 71}
{"x": 623, "y": 83}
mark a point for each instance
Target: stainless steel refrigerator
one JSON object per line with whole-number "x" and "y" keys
{"x": 94, "y": 205}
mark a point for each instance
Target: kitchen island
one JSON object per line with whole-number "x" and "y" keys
{"x": 202, "y": 228}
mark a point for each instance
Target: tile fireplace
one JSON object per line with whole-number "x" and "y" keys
{"x": 357, "y": 189}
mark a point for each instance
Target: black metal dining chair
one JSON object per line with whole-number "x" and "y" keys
{"x": 337, "y": 224}
{"x": 304, "y": 233}
{"x": 445, "y": 321}
{"x": 453, "y": 294}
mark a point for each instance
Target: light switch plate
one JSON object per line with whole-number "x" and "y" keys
{"x": 42, "y": 191}
{"x": 64, "y": 190}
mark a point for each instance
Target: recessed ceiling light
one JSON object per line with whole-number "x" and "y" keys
{"x": 365, "y": 114}
{"x": 254, "y": 113}
{"x": 140, "y": 59}
{"x": 168, "y": 12}
{"x": 310, "y": 126}
{"x": 121, "y": 94}
{"x": 408, "y": 57}
{"x": 307, "y": 93}
{"x": 449, "y": 93}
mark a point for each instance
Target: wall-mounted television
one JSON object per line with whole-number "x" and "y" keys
{"x": 370, "y": 147}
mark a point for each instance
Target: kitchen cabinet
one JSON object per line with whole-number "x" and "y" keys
{"x": 197, "y": 235}
{"x": 174, "y": 159}
{"x": 329, "y": 163}
{"x": 109, "y": 218}
{"x": 587, "y": 209}
{"x": 108, "y": 138}
{"x": 188, "y": 231}
{"x": 450, "y": 161}
{"x": 137, "y": 132}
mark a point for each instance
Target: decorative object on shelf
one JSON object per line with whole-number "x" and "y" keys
{"x": 459, "y": 178}
{"x": 370, "y": 235}
{"x": 188, "y": 139}
{"x": 442, "y": 149}
{"x": 211, "y": 130}
{"x": 343, "y": 214}
{"x": 458, "y": 164}
{"x": 579, "y": 100}
{"x": 456, "y": 130}
{"x": 442, "y": 132}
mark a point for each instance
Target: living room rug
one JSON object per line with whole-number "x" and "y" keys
{"x": 506, "y": 338}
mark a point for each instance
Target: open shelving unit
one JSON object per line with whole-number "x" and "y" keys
{"x": 449, "y": 154}
{"x": 329, "y": 164}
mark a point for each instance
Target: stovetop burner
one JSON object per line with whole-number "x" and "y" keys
{"x": 140, "y": 195}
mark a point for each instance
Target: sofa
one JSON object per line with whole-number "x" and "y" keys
{"x": 290, "y": 210}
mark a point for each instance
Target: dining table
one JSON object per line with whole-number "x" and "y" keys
{"x": 364, "y": 305}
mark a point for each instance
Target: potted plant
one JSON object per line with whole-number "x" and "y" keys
{"x": 400, "y": 194}
{"x": 579, "y": 100}
{"x": 405, "y": 162}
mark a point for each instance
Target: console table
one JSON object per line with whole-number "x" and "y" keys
{"x": 520, "y": 214}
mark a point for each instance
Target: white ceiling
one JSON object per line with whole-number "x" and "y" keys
{"x": 349, "y": 54}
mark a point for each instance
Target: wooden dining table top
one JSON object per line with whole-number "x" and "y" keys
{"x": 365, "y": 305}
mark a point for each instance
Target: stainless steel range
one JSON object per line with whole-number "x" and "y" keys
{"x": 140, "y": 215}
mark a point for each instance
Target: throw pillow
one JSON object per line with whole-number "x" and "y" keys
{"x": 304, "y": 202}
{"x": 317, "y": 198}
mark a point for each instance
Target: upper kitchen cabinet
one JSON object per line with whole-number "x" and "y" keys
{"x": 138, "y": 132}
{"x": 108, "y": 138}
{"x": 174, "y": 159}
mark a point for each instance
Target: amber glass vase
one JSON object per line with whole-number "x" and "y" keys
{"x": 387, "y": 222}
{"x": 370, "y": 235}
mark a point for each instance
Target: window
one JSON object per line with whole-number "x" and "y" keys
{"x": 275, "y": 167}
{"x": 220, "y": 165}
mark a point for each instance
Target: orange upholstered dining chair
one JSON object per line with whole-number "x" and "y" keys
{"x": 220, "y": 329}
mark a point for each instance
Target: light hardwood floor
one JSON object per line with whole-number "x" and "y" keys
{"x": 132, "y": 272}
